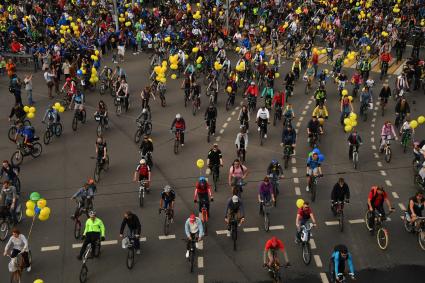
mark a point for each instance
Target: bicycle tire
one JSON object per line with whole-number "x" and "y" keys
{"x": 74, "y": 123}
{"x": 99, "y": 130}
{"x": 388, "y": 155}
{"x": 118, "y": 109}
{"x": 266, "y": 222}
{"x": 215, "y": 179}
{"x": 102, "y": 89}
{"x": 194, "y": 108}
{"x": 58, "y": 129}
{"x": 130, "y": 258}
{"x": 366, "y": 218}
{"x": 421, "y": 239}
{"x": 141, "y": 196}
{"x": 166, "y": 225}
{"x": 306, "y": 253}
{"x": 341, "y": 221}
{"x": 96, "y": 175}
{"x": 208, "y": 136}
{"x": 355, "y": 160}
{"x": 47, "y": 137}
{"x": 12, "y": 133}
{"x": 37, "y": 149}
{"x": 77, "y": 229}
{"x": 83, "y": 116}
{"x": 407, "y": 226}
{"x": 138, "y": 135}
{"x": 4, "y": 230}
{"x": 83, "y": 273}
{"x": 228, "y": 102}
{"x": 176, "y": 146}
{"x": 15, "y": 277}
{"x": 192, "y": 260}
{"x": 382, "y": 238}
{"x": 286, "y": 161}
{"x": 106, "y": 164}
{"x": 17, "y": 158}
{"x": 313, "y": 192}
{"x": 261, "y": 136}
{"x": 274, "y": 119}
{"x": 234, "y": 234}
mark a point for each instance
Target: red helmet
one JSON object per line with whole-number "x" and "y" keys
{"x": 90, "y": 181}
{"x": 192, "y": 218}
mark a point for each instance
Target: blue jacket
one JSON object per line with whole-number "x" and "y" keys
{"x": 198, "y": 223}
{"x": 337, "y": 259}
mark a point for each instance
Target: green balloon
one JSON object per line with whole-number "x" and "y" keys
{"x": 35, "y": 196}
{"x": 198, "y": 66}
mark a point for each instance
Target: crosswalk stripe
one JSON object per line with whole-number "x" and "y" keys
{"x": 276, "y": 227}
{"x": 356, "y": 221}
{"x": 395, "y": 66}
{"x": 163, "y": 237}
{"x": 253, "y": 229}
{"x": 324, "y": 277}
{"x": 399, "y": 70}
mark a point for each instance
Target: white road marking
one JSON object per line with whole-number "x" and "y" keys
{"x": 277, "y": 227}
{"x": 402, "y": 207}
{"x": 200, "y": 278}
{"x": 324, "y": 277}
{"x": 306, "y": 107}
{"x": 143, "y": 239}
{"x": 49, "y": 248}
{"x": 168, "y": 237}
{"x": 217, "y": 139}
{"x": 379, "y": 163}
{"x": 383, "y": 173}
{"x": 372, "y": 132}
{"x": 200, "y": 262}
{"x": 376, "y": 108}
{"x": 252, "y": 229}
{"x": 296, "y": 180}
{"x": 309, "y": 102}
{"x": 301, "y": 118}
{"x": 233, "y": 113}
{"x": 201, "y": 245}
{"x": 221, "y": 131}
{"x": 376, "y": 155}
{"x": 75, "y": 246}
{"x": 293, "y": 160}
{"x": 372, "y": 139}
{"x": 372, "y": 125}
{"x": 297, "y": 191}
{"x": 395, "y": 195}
{"x": 332, "y": 223}
{"x": 374, "y": 147}
{"x": 304, "y": 112}
{"x": 221, "y": 232}
{"x": 296, "y": 130}
{"x": 298, "y": 124}
{"x": 356, "y": 221}
{"x": 374, "y": 113}
{"x": 229, "y": 119}
{"x": 388, "y": 183}
{"x": 111, "y": 242}
{"x": 313, "y": 244}
{"x": 373, "y": 120}
{"x": 237, "y": 107}
{"x": 225, "y": 125}
{"x": 318, "y": 261}
{"x": 294, "y": 170}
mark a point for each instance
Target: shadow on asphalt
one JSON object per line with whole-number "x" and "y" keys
{"x": 394, "y": 274}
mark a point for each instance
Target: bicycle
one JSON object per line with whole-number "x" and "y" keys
{"x": 364, "y": 111}
{"x": 378, "y": 227}
{"x": 17, "y": 265}
{"x": 88, "y": 205}
{"x": 79, "y": 115}
{"x": 305, "y": 234}
{"x": 308, "y": 86}
{"x": 168, "y": 219}
{"x": 192, "y": 251}
{"x": 53, "y": 129}
{"x": 252, "y": 103}
{"x": 88, "y": 253}
{"x": 355, "y": 156}
{"x": 204, "y": 215}
{"x": 141, "y": 192}
{"x": 339, "y": 210}
{"x": 14, "y": 128}
{"x": 144, "y": 128}
{"x": 406, "y": 138}
{"x": 177, "y": 142}
{"x": 241, "y": 153}
{"x": 387, "y": 150}
{"x": 417, "y": 227}
{"x": 230, "y": 101}
{"x": 313, "y": 186}
{"x": 212, "y": 91}
{"x": 215, "y": 174}
{"x": 6, "y": 221}
{"x": 234, "y": 223}
{"x": 384, "y": 70}
{"x": 119, "y": 104}
{"x": 25, "y": 149}
{"x": 333, "y": 276}
{"x": 129, "y": 243}
{"x": 196, "y": 105}
{"x": 287, "y": 151}
{"x": 314, "y": 140}
{"x": 211, "y": 127}
{"x": 277, "y": 114}
{"x": 101, "y": 126}
{"x": 382, "y": 104}
{"x": 274, "y": 179}
{"x": 262, "y": 131}
{"x": 101, "y": 164}
{"x": 400, "y": 117}
{"x": 274, "y": 270}
{"x": 265, "y": 207}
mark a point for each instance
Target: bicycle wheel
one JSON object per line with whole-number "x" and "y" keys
{"x": 58, "y": 129}
{"x": 130, "y": 258}
{"x": 141, "y": 196}
{"x": 407, "y": 225}
{"x": 208, "y": 136}
{"x": 17, "y": 158}
{"x": 228, "y": 103}
{"x": 15, "y": 277}
{"x": 4, "y": 230}
{"x": 341, "y": 221}
{"x": 261, "y": 136}
{"x": 137, "y": 135}
{"x": 166, "y": 225}
{"x": 106, "y": 163}
{"x": 99, "y": 130}
{"x": 274, "y": 119}
{"x": 366, "y": 219}
{"x": 306, "y": 89}
{"x": 118, "y": 109}
{"x": 215, "y": 179}
{"x": 102, "y": 89}
{"x": 355, "y": 160}
{"x": 421, "y": 239}
{"x": 176, "y": 146}
{"x": 194, "y": 108}
{"x": 83, "y": 273}
{"x": 77, "y": 229}
{"x": 382, "y": 238}
{"x": 234, "y": 234}
{"x": 266, "y": 222}
{"x": 47, "y": 137}
{"x": 388, "y": 155}
{"x": 192, "y": 260}
{"x": 96, "y": 175}
{"x": 74, "y": 123}
{"x": 306, "y": 253}
{"x": 286, "y": 161}
{"x": 313, "y": 192}
{"x": 12, "y": 133}
{"x": 36, "y": 149}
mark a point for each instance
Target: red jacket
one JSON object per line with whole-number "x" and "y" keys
{"x": 386, "y": 57}
{"x": 202, "y": 190}
{"x": 279, "y": 98}
{"x": 269, "y": 245}
{"x": 252, "y": 90}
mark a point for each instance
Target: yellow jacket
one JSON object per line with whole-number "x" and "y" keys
{"x": 320, "y": 113}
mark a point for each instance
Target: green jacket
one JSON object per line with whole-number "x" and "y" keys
{"x": 94, "y": 226}
{"x": 268, "y": 92}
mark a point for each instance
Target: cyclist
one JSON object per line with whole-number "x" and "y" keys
{"x": 107, "y": 75}
{"x": 70, "y": 87}
{"x": 94, "y": 232}
{"x": 210, "y": 117}
{"x": 375, "y": 202}
{"x": 146, "y": 148}
{"x": 265, "y": 193}
{"x": 356, "y": 80}
{"x": 342, "y": 80}
{"x": 101, "y": 150}
{"x": 144, "y": 119}
{"x": 203, "y": 193}
{"x": 289, "y": 82}
{"x": 309, "y": 74}
{"x": 9, "y": 201}
{"x": 313, "y": 168}
{"x": 365, "y": 99}
{"x": 416, "y": 206}
{"x": 354, "y": 140}
{"x": 402, "y": 110}
{"x": 123, "y": 90}
{"x": 18, "y": 111}
{"x": 385, "y": 93}
{"x": 288, "y": 114}
{"x": 143, "y": 173}
{"x": 78, "y": 99}
{"x": 194, "y": 231}
{"x": 279, "y": 101}
{"x": 187, "y": 86}
{"x": 234, "y": 207}
{"x": 241, "y": 143}
{"x": 252, "y": 92}
{"x": 11, "y": 173}
{"x": 196, "y": 93}
{"x": 168, "y": 197}
{"x": 304, "y": 214}
{"x": 321, "y": 112}
{"x": 18, "y": 243}
{"x": 27, "y": 132}
{"x": 85, "y": 196}
{"x": 215, "y": 159}
{"x": 314, "y": 128}
{"x": 402, "y": 83}
{"x": 133, "y": 223}
{"x": 296, "y": 68}
{"x": 289, "y": 137}
{"x": 270, "y": 252}
{"x": 387, "y": 132}
{"x": 244, "y": 117}
{"x": 274, "y": 170}
{"x": 146, "y": 94}
{"x": 340, "y": 192}
{"x": 180, "y": 125}
{"x": 385, "y": 59}
{"x": 406, "y": 129}
{"x": 237, "y": 173}
{"x": 102, "y": 111}
{"x": 263, "y": 117}
{"x": 346, "y": 107}
{"x": 267, "y": 94}
{"x": 339, "y": 257}
{"x": 320, "y": 95}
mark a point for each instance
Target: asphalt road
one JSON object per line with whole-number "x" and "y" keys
{"x": 65, "y": 164}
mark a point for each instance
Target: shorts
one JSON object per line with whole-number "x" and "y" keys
{"x": 78, "y": 106}
{"x": 121, "y": 50}
{"x": 167, "y": 203}
{"x": 143, "y": 178}
{"x": 314, "y": 171}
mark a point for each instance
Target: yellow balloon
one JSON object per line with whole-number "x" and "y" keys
{"x": 277, "y": 75}
{"x": 41, "y": 203}
{"x": 173, "y": 76}
{"x": 163, "y": 80}
{"x": 30, "y": 212}
{"x": 61, "y": 109}
{"x": 348, "y": 128}
{"x": 344, "y": 92}
{"x": 347, "y": 121}
{"x": 30, "y": 115}
{"x": 26, "y": 108}
{"x": 350, "y": 98}
{"x": 300, "y": 203}
{"x": 421, "y": 119}
{"x": 200, "y": 163}
{"x": 45, "y": 211}
{"x": 57, "y": 105}
{"x": 413, "y": 124}
{"x": 30, "y": 205}
{"x": 173, "y": 66}
{"x": 346, "y": 61}
{"x": 229, "y": 89}
{"x": 32, "y": 109}
{"x": 353, "y": 116}
{"x": 38, "y": 281}
{"x": 195, "y": 49}
{"x": 43, "y": 217}
{"x": 353, "y": 123}
{"x": 272, "y": 61}
{"x": 368, "y": 48}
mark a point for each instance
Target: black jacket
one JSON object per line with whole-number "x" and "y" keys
{"x": 398, "y": 107}
{"x": 339, "y": 194}
{"x": 133, "y": 224}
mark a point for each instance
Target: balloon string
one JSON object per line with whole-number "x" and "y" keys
{"x": 32, "y": 224}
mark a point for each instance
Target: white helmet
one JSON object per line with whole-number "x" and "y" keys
{"x": 178, "y": 116}
{"x": 167, "y": 189}
{"x": 235, "y": 199}
{"x": 142, "y": 161}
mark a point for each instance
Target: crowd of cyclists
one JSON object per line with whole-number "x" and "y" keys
{"x": 225, "y": 53}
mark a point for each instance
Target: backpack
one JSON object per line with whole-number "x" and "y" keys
{"x": 375, "y": 194}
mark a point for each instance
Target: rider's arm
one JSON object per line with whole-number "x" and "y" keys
{"x": 313, "y": 218}
{"x": 186, "y": 228}
{"x": 411, "y": 208}
{"x": 350, "y": 263}
{"x": 77, "y": 194}
{"x": 336, "y": 262}
{"x": 123, "y": 223}
{"x": 138, "y": 225}
{"x": 102, "y": 228}
{"x": 200, "y": 227}
{"x": 241, "y": 209}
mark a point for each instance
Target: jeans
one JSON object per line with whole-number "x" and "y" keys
{"x": 29, "y": 93}
{"x": 136, "y": 241}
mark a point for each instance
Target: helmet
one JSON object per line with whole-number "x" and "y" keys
{"x": 178, "y": 116}
{"x": 142, "y": 161}
{"x": 192, "y": 217}
{"x": 92, "y": 213}
{"x": 167, "y": 188}
{"x": 252, "y": 83}
{"x": 202, "y": 179}
{"x": 274, "y": 161}
{"x": 235, "y": 199}
{"x": 144, "y": 111}
{"x": 90, "y": 181}
{"x": 68, "y": 79}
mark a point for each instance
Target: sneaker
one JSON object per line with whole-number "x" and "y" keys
{"x": 265, "y": 136}
{"x": 228, "y": 233}
{"x": 28, "y": 268}
{"x": 138, "y": 252}
{"x": 258, "y": 129}
{"x": 187, "y": 254}
{"x": 307, "y": 189}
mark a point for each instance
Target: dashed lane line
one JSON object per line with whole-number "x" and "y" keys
{"x": 301, "y": 118}
{"x": 324, "y": 277}
{"x": 304, "y": 112}
{"x": 374, "y": 114}
{"x": 221, "y": 232}
{"x": 293, "y": 160}
{"x": 309, "y": 102}
{"x": 200, "y": 262}
{"x": 372, "y": 139}
{"x": 313, "y": 244}
{"x": 318, "y": 261}
{"x": 306, "y": 107}
{"x": 252, "y": 229}
{"x": 383, "y": 173}
{"x": 373, "y": 120}
{"x": 331, "y": 223}
{"x": 168, "y": 237}
{"x": 217, "y": 139}
{"x": 388, "y": 183}
{"x": 233, "y": 113}
{"x": 201, "y": 278}
{"x": 395, "y": 195}
{"x": 296, "y": 180}
{"x": 372, "y": 125}
{"x": 229, "y": 119}
{"x": 276, "y": 227}
{"x": 356, "y": 221}
{"x": 376, "y": 155}
{"x": 294, "y": 170}
{"x": 402, "y": 207}
{"x": 225, "y": 125}
{"x": 374, "y": 147}
{"x": 297, "y": 191}
{"x": 50, "y": 248}
{"x": 298, "y": 124}
{"x": 379, "y": 163}
{"x": 221, "y": 131}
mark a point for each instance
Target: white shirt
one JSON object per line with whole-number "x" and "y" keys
{"x": 20, "y": 243}
{"x": 263, "y": 114}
